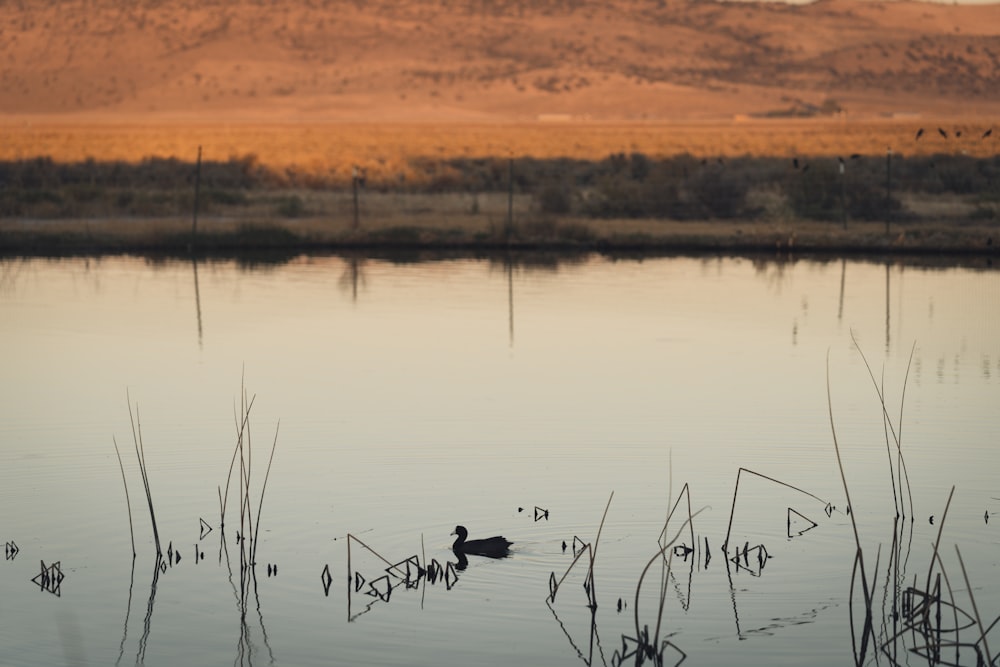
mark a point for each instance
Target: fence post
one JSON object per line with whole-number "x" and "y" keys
{"x": 197, "y": 192}
{"x": 355, "y": 177}
{"x": 843, "y": 195}
{"x": 510, "y": 197}
{"x": 888, "y": 188}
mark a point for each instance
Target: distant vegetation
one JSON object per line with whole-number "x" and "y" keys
{"x": 616, "y": 187}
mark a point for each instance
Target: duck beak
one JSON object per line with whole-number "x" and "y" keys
{"x": 452, "y": 533}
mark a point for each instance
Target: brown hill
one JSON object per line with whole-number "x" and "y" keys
{"x": 485, "y": 60}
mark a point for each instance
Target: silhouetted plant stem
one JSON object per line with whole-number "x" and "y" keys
{"x": 896, "y": 436}
{"x": 937, "y": 541}
{"x": 128, "y": 503}
{"x": 241, "y": 425}
{"x": 847, "y": 494}
{"x": 260, "y": 504}
{"x": 141, "y": 455}
{"x": 732, "y": 512}
{"x": 197, "y": 192}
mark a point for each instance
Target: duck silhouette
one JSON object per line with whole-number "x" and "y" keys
{"x": 491, "y": 547}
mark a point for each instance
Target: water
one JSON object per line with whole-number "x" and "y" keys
{"x": 406, "y": 398}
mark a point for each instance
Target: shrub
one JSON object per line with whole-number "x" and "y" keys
{"x": 719, "y": 193}
{"x": 290, "y": 206}
{"x": 555, "y": 198}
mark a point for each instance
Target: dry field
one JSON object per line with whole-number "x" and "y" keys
{"x": 385, "y": 150}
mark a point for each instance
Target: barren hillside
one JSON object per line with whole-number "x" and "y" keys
{"x": 485, "y": 60}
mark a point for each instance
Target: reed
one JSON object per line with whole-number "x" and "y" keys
{"x": 140, "y": 453}
{"x": 128, "y": 503}
{"x": 975, "y": 608}
{"x": 896, "y": 433}
{"x": 859, "y": 559}
{"x": 242, "y": 424}
{"x": 642, "y": 635}
{"x": 937, "y": 541}
{"x": 736, "y": 490}
{"x": 263, "y": 488}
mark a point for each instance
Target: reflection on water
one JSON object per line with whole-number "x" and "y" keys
{"x": 197, "y": 299}
{"x": 407, "y": 405}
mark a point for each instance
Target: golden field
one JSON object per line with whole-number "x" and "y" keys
{"x": 385, "y": 149}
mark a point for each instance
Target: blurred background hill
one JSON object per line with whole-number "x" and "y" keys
{"x": 496, "y": 60}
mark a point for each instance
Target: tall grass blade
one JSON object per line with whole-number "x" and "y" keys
{"x": 975, "y": 608}
{"x": 128, "y": 503}
{"x": 263, "y": 488}
{"x": 140, "y": 453}
{"x": 850, "y": 505}
{"x": 937, "y": 542}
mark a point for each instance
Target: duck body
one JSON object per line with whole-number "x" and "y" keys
{"x": 491, "y": 547}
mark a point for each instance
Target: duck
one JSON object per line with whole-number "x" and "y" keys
{"x": 491, "y": 547}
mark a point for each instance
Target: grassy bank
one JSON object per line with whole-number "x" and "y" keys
{"x": 935, "y": 203}
{"x": 484, "y": 232}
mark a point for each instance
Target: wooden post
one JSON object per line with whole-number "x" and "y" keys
{"x": 888, "y": 188}
{"x": 843, "y": 196}
{"x": 510, "y": 197}
{"x": 197, "y": 192}
{"x": 355, "y": 177}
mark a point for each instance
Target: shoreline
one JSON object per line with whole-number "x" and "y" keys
{"x": 426, "y": 233}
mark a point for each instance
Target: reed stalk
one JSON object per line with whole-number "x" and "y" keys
{"x": 241, "y": 425}
{"x": 140, "y": 453}
{"x": 860, "y": 559}
{"x": 658, "y": 556}
{"x": 593, "y": 556}
{"x": 937, "y": 542}
{"x": 263, "y": 488}
{"x": 554, "y": 585}
{"x": 732, "y": 512}
{"x": 128, "y": 503}
{"x": 896, "y": 436}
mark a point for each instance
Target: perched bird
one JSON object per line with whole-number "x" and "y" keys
{"x": 987, "y": 133}
{"x": 491, "y": 547}
{"x": 942, "y": 133}
{"x": 920, "y": 133}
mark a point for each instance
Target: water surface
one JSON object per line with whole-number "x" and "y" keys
{"x": 415, "y": 396}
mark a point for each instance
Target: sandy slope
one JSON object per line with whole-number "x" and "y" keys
{"x": 493, "y": 60}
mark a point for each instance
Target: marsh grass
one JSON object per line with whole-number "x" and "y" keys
{"x": 248, "y": 533}
{"x": 128, "y": 503}
{"x": 914, "y": 610}
{"x": 411, "y": 572}
{"x": 140, "y": 454}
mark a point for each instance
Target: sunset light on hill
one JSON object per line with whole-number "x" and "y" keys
{"x": 421, "y": 60}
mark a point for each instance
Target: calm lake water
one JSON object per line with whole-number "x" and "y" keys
{"x": 522, "y": 399}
